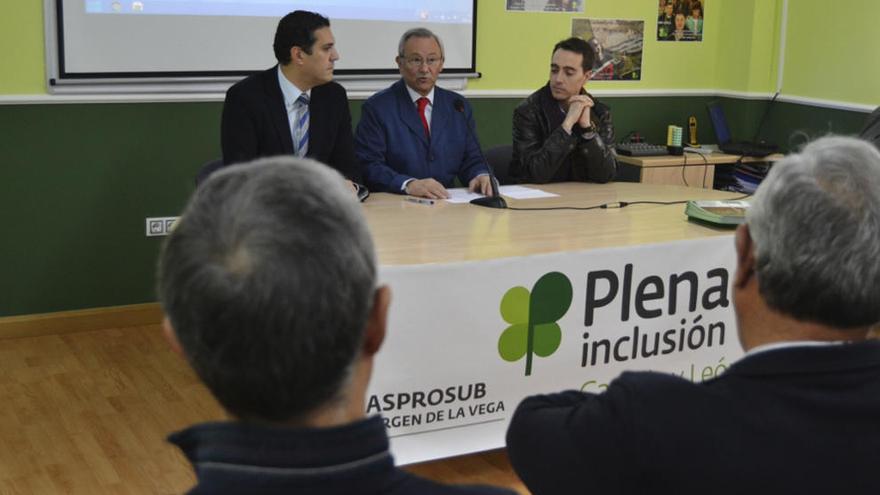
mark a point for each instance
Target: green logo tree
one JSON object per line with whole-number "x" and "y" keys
{"x": 532, "y": 317}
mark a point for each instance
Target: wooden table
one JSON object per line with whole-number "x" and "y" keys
{"x": 407, "y": 233}
{"x": 689, "y": 169}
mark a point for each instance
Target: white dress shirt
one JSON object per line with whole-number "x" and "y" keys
{"x": 428, "y": 109}
{"x": 291, "y": 93}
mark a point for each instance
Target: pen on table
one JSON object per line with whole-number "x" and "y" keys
{"x": 421, "y": 201}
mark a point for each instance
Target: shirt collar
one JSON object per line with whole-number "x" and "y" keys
{"x": 289, "y": 91}
{"x": 786, "y": 345}
{"x": 414, "y": 96}
{"x": 237, "y": 445}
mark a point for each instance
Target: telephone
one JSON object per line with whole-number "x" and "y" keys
{"x": 692, "y": 132}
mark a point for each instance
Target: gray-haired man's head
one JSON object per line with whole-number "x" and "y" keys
{"x": 268, "y": 281}
{"x": 420, "y": 59}
{"x": 815, "y": 227}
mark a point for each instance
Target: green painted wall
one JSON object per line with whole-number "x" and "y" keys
{"x": 748, "y": 46}
{"x": 831, "y": 57}
{"x": 80, "y": 179}
{"x": 832, "y": 51}
{"x": 77, "y": 182}
{"x": 513, "y": 47}
{"x": 21, "y": 36}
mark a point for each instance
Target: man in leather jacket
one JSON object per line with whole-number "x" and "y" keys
{"x": 560, "y": 132}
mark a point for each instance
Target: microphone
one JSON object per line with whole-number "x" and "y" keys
{"x": 495, "y": 200}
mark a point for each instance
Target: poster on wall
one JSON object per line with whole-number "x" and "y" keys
{"x": 617, "y": 44}
{"x": 680, "y": 20}
{"x": 545, "y": 5}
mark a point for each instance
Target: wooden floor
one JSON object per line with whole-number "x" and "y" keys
{"x": 88, "y": 413}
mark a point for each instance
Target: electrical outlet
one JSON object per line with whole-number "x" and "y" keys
{"x": 159, "y": 226}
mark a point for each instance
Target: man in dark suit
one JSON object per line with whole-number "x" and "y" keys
{"x": 269, "y": 286}
{"x": 293, "y": 108}
{"x": 800, "y": 413}
{"x": 415, "y": 137}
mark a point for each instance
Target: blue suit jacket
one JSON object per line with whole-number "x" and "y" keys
{"x": 391, "y": 146}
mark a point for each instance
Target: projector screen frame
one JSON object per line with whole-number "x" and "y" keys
{"x": 60, "y": 80}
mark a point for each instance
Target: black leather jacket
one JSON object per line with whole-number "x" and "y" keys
{"x": 544, "y": 152}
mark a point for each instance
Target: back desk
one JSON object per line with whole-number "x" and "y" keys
{"x": 489, "y": 306}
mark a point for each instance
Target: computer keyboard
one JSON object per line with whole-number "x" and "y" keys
{"x": 641, "y": 149}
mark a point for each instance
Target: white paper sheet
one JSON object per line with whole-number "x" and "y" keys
{"x": 462, "y": 195}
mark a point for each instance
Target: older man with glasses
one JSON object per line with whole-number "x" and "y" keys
{"x": 414, "y": 137}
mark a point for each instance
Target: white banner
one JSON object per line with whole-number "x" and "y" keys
{"x": 467, "y": 341}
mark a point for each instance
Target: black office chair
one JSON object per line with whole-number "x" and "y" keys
{"x": 208, "y": 169}
{"x": 499, "y": 159}
{"x": 871, "y": 131}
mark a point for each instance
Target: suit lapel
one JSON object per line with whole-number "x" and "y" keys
{"x": 440, "y": 114}
{"x": 408, "y": 112}
{"x": 319, "y": 114}
{"x": 277, "y": 111}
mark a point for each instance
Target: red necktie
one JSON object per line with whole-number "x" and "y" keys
{"x": 423, "y": 103}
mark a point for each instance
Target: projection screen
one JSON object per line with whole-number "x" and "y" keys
{"x": 144, "y": 39}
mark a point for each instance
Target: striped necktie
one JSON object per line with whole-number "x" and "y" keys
{"x": 301, "y": 126}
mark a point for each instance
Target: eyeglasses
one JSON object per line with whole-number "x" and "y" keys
{"x": 416, "y": 62}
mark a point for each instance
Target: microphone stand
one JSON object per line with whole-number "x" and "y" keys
{"x": 494, "y": 200}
